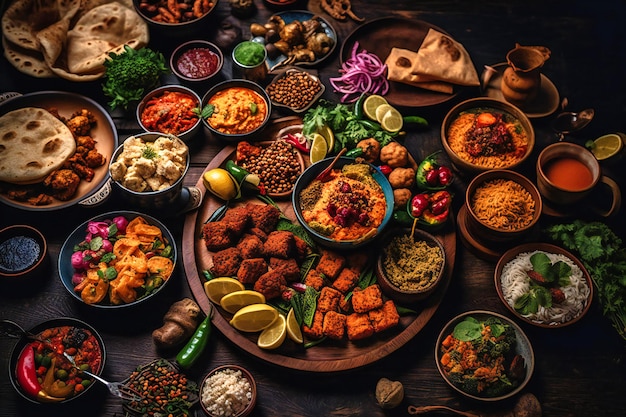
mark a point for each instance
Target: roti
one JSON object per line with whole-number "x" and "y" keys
{"x": 33, "y": 143}
{"x": 399, "y": 68}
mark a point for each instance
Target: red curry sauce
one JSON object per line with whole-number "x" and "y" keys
{"x": 197, "y": 63}
{"x": 172, "y": 112}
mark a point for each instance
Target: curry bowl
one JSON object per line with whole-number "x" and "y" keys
{"x": 197, "y": 62}
{"x": 23, "y": 254}
{"x": 172, "y": 110}
{"x": 495, "y": 339}
{"x": 60, "y": 379}
{"x": 157, "y": 14}
{"x": 358, "y": 210}
{"x": 411, "y": 265}
{"x": 236, "y": 110}
{"x": 148, "y": 170}
{"x": 480, "y": 134}
{"x": 554, "y": 299}
{"x": 135, "y": 278}
{"x": 242, "y": 392}
{"x": 502, "y": 206}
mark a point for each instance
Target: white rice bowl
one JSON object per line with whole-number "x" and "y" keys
{"x": 514, "y": 282}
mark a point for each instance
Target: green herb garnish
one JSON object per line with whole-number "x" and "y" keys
{"x": 253, "y": 108}
{"x": 204, "y": 112}
{"x": 149, "y": 152}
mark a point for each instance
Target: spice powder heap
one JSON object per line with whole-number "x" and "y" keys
{"x": 412, "y": 265}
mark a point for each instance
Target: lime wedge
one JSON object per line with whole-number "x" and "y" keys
{"x": 607, "y": 146}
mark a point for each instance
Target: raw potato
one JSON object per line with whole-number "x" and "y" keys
{"x": 179, "y": 323}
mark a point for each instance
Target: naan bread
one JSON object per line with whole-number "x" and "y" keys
{"x": 442, "y": 58}
{"x": 27, "y": 61}
{"x": 33, "y": 143}
{"x": 399, "y": 66}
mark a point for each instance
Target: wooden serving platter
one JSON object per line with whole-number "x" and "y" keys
{"x": 328, "y": 356}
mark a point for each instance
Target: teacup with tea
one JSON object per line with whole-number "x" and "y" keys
{"x": 567, "y": 173}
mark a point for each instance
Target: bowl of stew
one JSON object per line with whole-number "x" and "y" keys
{"x": 172, "y": 110}
{"x": 197, "y": 62}
{"x": 43, "y": 356}
{"x": 158, "y": 14}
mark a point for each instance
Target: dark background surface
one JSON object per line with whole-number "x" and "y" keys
{"x": 579, "y": 370}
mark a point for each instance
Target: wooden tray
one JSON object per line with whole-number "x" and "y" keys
{"x": 328, "y": 356}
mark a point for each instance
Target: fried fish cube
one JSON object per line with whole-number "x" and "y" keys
{"x": 316, "y": 331}
{"x": 329, "y": 300}
{"x": 346, "y": 280}
{"x": 265, "y": 217}
{"x": 271, "y": 284}
{"x": 279, "y": 244}
{"x": 334, "y": 325}
{"x": 217, "y": 236}
{"x": 288, "y": 267}
{"x": 237, "y": 214}
{"x": 250, "y": 246}
{"x": 358, "y": 326}
{"x": 314, "y": 279}
{"x": 385, "y": 317}
{"x": 226, "y": 262}
{"x": 251, "y": 269}
{"x": 367, "y": 299}
{"x": 331, "y": 264}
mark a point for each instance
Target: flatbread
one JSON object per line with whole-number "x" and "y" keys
{"x": 33, "y": 143}
{"x": 399, "y": 68}
{"x": 442, "y": 58}
{"x": 27, "y": 61}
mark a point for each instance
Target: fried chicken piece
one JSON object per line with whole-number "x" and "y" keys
{"x": 358, "y": 326}
{"x": 329, "y": 300}
{"x": 280, "y": 244}
{"x": 251, "y": 269}
{"x": 226, "y": 262}
{"x": 385, "y": 317}
{"x": 331, "y": 264}
{"x": 271, "y": 284}
{"x": 316, "y": 331}
{"x": 288, "y": 267}
{"x": 346, "y": 280}
{"x": 62, "y": 183}
{"x": 94, "y": 159}
{"x": 314, "y": 279}
{"x": 367, "y": 299}
{"x": 265, "y": 217}
{"x": 79, "y": 125}
{"x": 250, "y": 246}
{"x": 217, "y": 236}
{"x": 334, "y": 326}
{"x": 86, "y": 142}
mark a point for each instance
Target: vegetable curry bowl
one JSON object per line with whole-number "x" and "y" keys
{"x": 41, "y": 373}
{"x": 348, "y": 207}
{"x": 236, "y": 110}
{"x": 480, "y": 134}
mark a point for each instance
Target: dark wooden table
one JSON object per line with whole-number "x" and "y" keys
{"x": 580, "y": 370}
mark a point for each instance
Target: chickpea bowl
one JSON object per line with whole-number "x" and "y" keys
{"x": 410, "y": 265}
{"x": 347, "y": 208}
{"x": 236, "y": 110}
{"x": 295, "y": 89}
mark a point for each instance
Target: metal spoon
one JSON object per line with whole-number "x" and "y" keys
{"x": 568, "y": 122}
{"x": 11, "y": 329}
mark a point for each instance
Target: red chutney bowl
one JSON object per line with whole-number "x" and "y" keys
{"x": 197, "y": 62}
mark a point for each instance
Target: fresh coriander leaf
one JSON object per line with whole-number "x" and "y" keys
{"x": 467, "y": 330}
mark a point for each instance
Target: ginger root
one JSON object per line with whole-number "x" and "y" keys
{"x": 179, "y": 323}
{"x": 389, "y": 394}
{"x": 339, "y": 9}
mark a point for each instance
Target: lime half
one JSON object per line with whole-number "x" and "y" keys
{"x": 372, "y": 103}
{"x": 607, "y": 146}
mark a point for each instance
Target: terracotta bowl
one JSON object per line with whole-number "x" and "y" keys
{"x": 211, "y": 408}
{"x": 488, "y": 232}
{"x": 530, "y": 248}
{"x": 389, "y": 288}
{"x": 511, "y": 112}
{"x": 24, "y": 254}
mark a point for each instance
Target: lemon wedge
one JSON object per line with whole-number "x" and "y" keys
{"x": 329, "y": 135}
{"x": 236, "y": 300}
{"x": 273, "y": 336}
{"x": 217, "y": 288}
{"x": 293, "y": 329}
{"x": 319, "y": 148}
{"x": 254, "y": 318}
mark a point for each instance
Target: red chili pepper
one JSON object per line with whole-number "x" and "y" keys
{"x": 419, "y": 203}
{"x": 385, "y": 169}
{"x": 296, "y": 143}
{"x": 26, "y": 372}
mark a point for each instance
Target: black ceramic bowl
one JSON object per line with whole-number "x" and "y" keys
{"x": 66, "y": 270}
{"x": 184, "y": 54}
{"x": 182, "y": 27}
{"x": 232, "y": 129}
{"x": 24, "y": 342}
{"x": 23, "y": 254}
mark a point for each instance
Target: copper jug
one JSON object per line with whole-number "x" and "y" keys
{"x": 521, "y": 80}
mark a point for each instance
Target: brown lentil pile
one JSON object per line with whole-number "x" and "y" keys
{"x": 412, "y": 266}
{"x": 277, "y": 166}
{"x": 164, "y": 390}
{"x": 296, "y": 89}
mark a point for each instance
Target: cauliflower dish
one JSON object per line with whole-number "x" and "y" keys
{"x": 145, "y": 166}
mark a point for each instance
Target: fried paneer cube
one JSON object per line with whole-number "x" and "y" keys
{"x": 358, "y": 326}
{"x": 251, "y": 269}
{"x": 250, "y": 246}
{"x": 271, "y": 284}
{"x": 288, "y": 267}
{"x": 346, "y": 280}
{"x": 367, "y": 299}
{"x": 237, "y": 214}
{"x": 226, "y": 262}
{"x": 334, "y": 326}
{"x": 329, "y": 300}
{"x": 314, "y": 279}
{"x": 279, "y": 244}
{"x": 264, "y": 217}
{"x": 331, "y": 264}
{"x": 217, "y": 236}
{"x": 385, "y": 317}
{"x": 316, "y": 331}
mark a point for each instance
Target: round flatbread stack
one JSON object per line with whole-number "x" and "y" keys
{"x": 70, "y": 39}
{"x": 33, "y": 143}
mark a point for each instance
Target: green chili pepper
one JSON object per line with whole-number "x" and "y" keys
{"x": 420, "y": 121}
{"x": 358, "y": 106}
{"x": 402, "y": 217}
{"x": 196, "y": 345}
{"x": 370, "y": 125}
{"x": 355, "y": 152}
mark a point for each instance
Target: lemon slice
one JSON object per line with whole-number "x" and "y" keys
{"x": 254, "y": 318}
{"x": 217, "y": 288}
{"x": 235, "y": 301}
{"x": 607, "y": 146}
{"x": 329, "y": 135}
{"x": 293, "y": 329}
{"x": 382, "y": 110}
{"x": 371, "y": 104}
{"x": 274, "y": 335}
{"x": 319, "y": 148}
{"x": 392, "y": 121}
